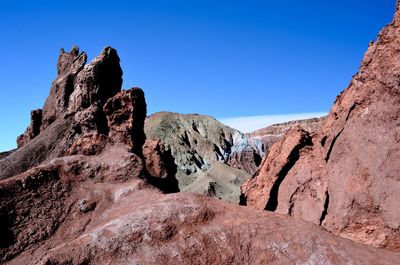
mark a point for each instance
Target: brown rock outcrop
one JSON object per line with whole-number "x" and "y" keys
{"x": 33, "y": 130}
{"x": 94, "y": 204}
{"x": 77, "y": 87}
{"x": 348, "y": 180}
{"x": 153, "y": 152}
{"x": 262, "y": 190}
{"x": 125, "y": 114}
{"x": 160, "y": 166}
{"x": 73, "y": 112}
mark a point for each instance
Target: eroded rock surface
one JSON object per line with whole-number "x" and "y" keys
{"x": 347, "y": 179}
{"x": 160, "y": 166}
{"x": 72, "y": 111}
{"x": 75, "y": 210}
{"x": 88, "y": 195}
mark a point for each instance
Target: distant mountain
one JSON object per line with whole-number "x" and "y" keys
{"x": 271, "y": 134}
{"x": 211, "y": 157}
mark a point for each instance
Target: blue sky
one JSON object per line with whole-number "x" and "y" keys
{"x": 221, "y": 58}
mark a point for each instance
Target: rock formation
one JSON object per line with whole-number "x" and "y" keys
{"x": 346, "y": 176}
{"x": 87, "y": 188}
{"x": 160, "y": 166}
{"x": 99, "y": 222}
{"x": 73, "y": 109}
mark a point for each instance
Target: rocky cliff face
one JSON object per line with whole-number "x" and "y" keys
{"x": 206, "y": 152}
{"x": 100, "y": 200}
{"x": 346, "y": 176}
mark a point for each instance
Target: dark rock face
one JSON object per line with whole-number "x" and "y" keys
{"x": 97, "y": 82}
{"x": 33, "y": 130}
{"x": 347, "y": 180}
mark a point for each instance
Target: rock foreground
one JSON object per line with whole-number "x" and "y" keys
{"x": 86, "y": 187}
{"x": 346, "y": 176}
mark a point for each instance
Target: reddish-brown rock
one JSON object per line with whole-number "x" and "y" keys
{"x": 153, "y": 152}
{"x": 73, "y": 111}
{"x": 348, "y": 181}
{"x": 77, "y": 86}
{"x": 33, "y": 130}
{"x": 160, "y": 166}
{"x": 66, "y": 217}
{"x": 96, "y": 206}
{"x": 262, "y": 190}
{"x": 68, "y": 67}
{"x": 88, "y": 144}
{"x": 126, "y": 113}
{"x": 97, "y": 82}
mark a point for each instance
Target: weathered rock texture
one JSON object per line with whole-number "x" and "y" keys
{"x": 95, "y": 203}
{"x": 72, "y": 111}
{"x": 160, "y": 166}
{"x": 126, "y": 113}
{"x": 346, "y": 178}
{"x": 131, "y": 223}
{"x": 199, "y": 145}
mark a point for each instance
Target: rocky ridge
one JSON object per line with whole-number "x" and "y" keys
{"x": 95, "y": 203}
{"x": 273, "y": 133}
{"x": 345, "y": 176}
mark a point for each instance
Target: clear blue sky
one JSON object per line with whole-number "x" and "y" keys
{"x": 222, "y": 58}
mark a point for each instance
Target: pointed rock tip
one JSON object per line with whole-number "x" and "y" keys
{"x": 74, "y": 50}
{"x": 109, "y": 51}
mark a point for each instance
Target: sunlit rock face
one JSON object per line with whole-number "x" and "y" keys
{"x": 346, "y": 178}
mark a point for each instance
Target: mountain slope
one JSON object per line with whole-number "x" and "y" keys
{"x": 203, "y": 150}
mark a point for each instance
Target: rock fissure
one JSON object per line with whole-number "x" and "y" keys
{"x": 325, "y": 211}
{"x": 328, "y": 154}
{"x": 294, "y": 155}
